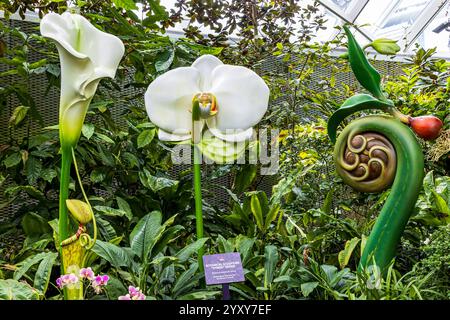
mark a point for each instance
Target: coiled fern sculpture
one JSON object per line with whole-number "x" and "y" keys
{"x": 376, "y": 152}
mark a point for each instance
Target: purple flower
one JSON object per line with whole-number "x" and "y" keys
{"x": 59, "y": 282}
{"x": 87, "y": 273}
{"x": 66, "y": 280}
{"x": 100, "y": 281}
{"x": 134, "y": 293}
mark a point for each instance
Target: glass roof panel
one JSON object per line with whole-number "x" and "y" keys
{"x": 391, "y": 18}
{"x": 437, "y": 34}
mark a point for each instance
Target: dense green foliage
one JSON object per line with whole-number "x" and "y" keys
{"x": 301, "y": 241}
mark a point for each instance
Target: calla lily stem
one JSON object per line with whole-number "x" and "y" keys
{"x": 66, "y": 162}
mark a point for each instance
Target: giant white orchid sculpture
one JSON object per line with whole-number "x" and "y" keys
{"x": 228, "y": 100}
{"x": 87, "y": 55}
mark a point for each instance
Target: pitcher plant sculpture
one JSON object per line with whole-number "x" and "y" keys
{"x": 376, "y": 152}
{"x": 87, "y": 55}
{"x": 227, "y": 100}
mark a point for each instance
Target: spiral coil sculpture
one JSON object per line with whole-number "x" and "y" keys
{"x": 376, "y": 152}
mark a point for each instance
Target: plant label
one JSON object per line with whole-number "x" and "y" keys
{"x": 223, "y": 268}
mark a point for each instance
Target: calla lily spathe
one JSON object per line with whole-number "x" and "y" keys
{"x": 240, "y": 98}
{"x": 86, "y": 55}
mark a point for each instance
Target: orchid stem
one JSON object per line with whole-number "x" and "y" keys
{"x": 66, "y": 162}
{"x": 198, "y": 203}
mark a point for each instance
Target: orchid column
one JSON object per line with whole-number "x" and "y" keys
{"x": 86, "y": 55}
{"x": 227, "y": 100}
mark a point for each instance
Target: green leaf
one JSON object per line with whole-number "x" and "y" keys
{"x": 244, "y": 178}
{"x": 270, "y": 262}
{"x": 43, "y": 273}
{"x": 354, "y": 104}
{"x": 257, "y": 212}
{"x": 33, "y": 169}
{"x": 164, "y": 60}
{"x": 185, "y": 282}
{"x": 25, "y": 265}
{"x": 106, "y": 229}
{"x": 157, "y": 184}
{"x": 125, "y": 4}
{"x": 272, "y": 215}
{"x": 108, "y": 211}
{"x": 88, "y": 130}
{"x": 34, "y": 225}
{"x": 286, "y": 184}
{"x": 364, "y": 72}
{"x": 441, "y": 205}
{"x": 168, "y": 235}
{"x": 12, "y": 160}
{"x": 145, "y": 234}
{"x": 200, "y": 295}
{"x": 115, "y": 255}
{"x": 326, "y": 207}
{"x": 145, "y": 137}
{"x": 97, "y": 175}
{"x": 48, "y": 174}
{"x": 308, "y": 287}
{"x": 104, "y": 138}
{"x": 14, "y": 290}
{"x": 18, "y": 115}
{"x": 187, "y": 251}
{"x": 124, "y": 206}
{"x": 345, "y": 255}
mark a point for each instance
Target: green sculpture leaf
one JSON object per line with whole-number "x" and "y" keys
{"x": 364, "y": 72}
{"x": 354, "y": 104}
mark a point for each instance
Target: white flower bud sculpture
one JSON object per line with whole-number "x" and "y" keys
{"x": 87, "y": 55}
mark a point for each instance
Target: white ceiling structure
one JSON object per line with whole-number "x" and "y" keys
{"x": 407, "y": 21}
{"x": 410, "y": 22}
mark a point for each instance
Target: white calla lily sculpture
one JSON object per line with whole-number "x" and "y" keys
{"x": 87, "y": 55}
{"x": 228, "y": 100}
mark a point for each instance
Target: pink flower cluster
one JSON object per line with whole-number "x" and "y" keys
{"x": 134, "y": 293}
{"x": 97, "y": 282}
{"x": 67, "y": 280}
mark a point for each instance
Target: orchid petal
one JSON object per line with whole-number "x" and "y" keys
{"x": 242, "y": 97}
{"x": 168, "y": 99}
{"x": 206, "y": 65}
{"x": 172, "y": 137}
{"x": 231, "y": 135}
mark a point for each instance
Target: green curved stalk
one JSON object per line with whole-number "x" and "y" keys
{"x": 353, "y": 104}
{"x": 91, "y": 243}
{"x": 390, "y": 224}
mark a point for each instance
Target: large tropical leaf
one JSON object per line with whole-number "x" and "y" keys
{"x": 115, "y": 255}
{"x": 145, "y": 234}
{"x": 14, "y": 290}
